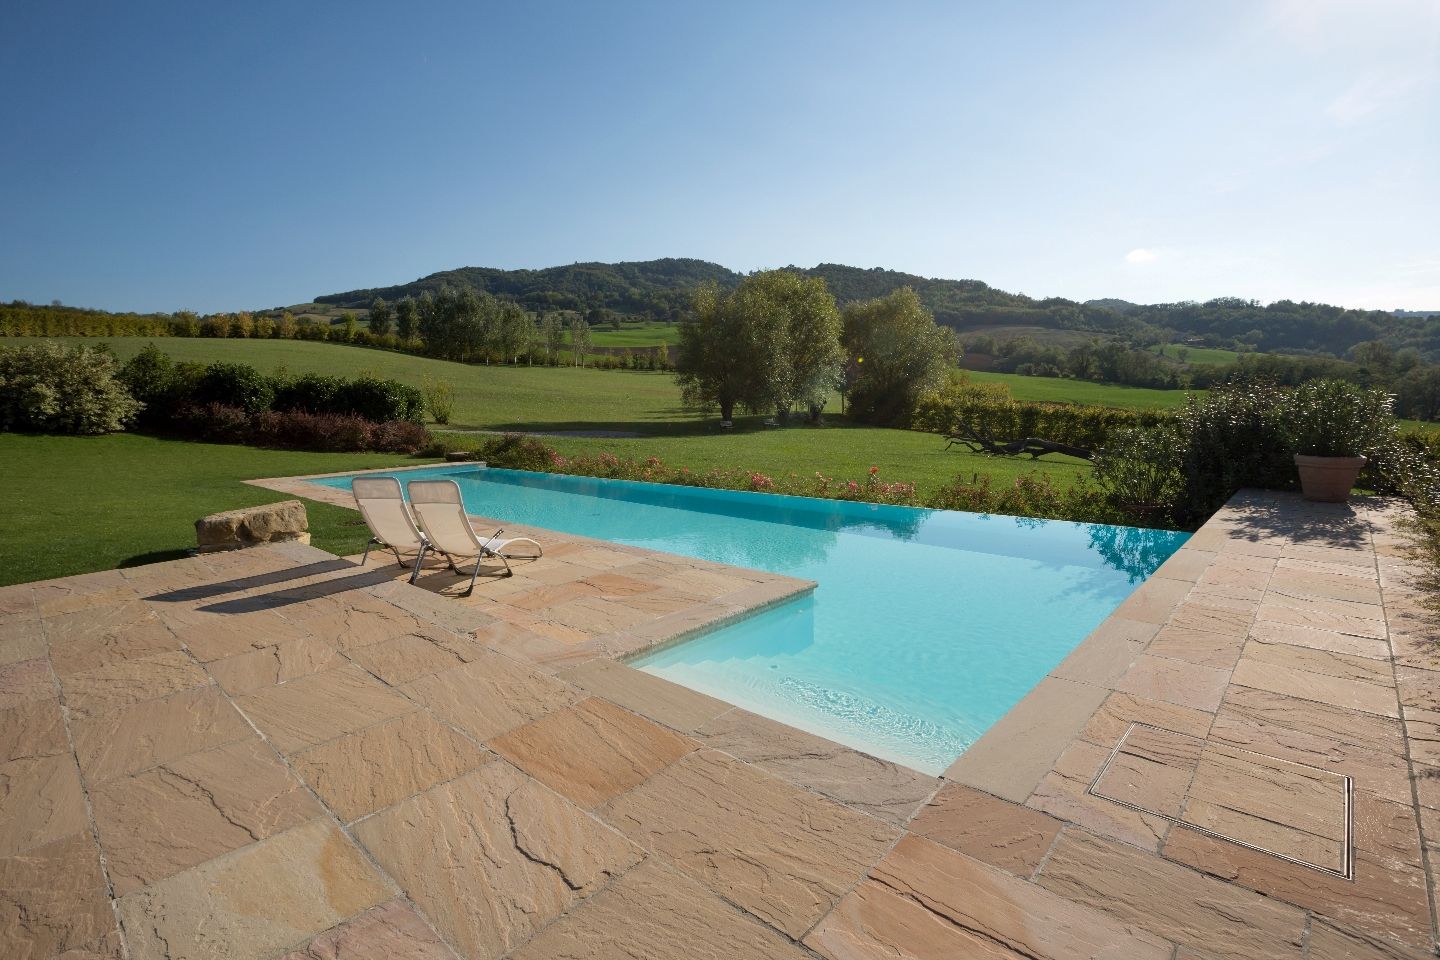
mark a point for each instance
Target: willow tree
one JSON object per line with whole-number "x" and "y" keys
{"x": 896, "y": 353}
{"x": 771, "y": 344}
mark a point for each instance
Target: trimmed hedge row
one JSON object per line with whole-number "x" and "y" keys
{"x": 1006, "y": 419}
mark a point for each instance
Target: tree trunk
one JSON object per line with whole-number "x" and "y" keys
{"x": 727, "y": 410}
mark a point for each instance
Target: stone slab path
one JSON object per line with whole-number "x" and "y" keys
{"x": 280, "y": 753}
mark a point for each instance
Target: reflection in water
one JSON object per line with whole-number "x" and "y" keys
{"x": 1135, "y": 551}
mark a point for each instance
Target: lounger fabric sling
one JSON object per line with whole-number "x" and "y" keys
{"x": 382, "y": 504}
{"x": 441, "y": 513}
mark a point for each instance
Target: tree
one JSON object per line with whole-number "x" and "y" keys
{"x": 725, "y": 357}
{"x": 552, "y": 334}
{"x": 579, "y": 340}
{"x": 896, "y": 352}
{"x": 406, "y": 319}
{"x": 514, "y": 331}
{"x": 380, "y": 317}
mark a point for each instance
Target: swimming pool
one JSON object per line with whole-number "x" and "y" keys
{"x": 926, "y": 626}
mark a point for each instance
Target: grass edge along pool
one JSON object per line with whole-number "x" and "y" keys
{"x": 926, "y": 625}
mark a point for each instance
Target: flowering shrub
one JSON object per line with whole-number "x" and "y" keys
{"x": 298, "y": 430}
{"x": 62, "y": 390}
{"x": 1033, "y": 495}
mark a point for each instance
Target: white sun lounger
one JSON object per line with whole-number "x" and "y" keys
{"x": 441, "y": 513}
{"x": 382, "y": 504}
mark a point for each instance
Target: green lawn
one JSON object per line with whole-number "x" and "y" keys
{"x": 1057, "y": 390}
{"x": 636, "y": 335}
{"x": 76, "y": 504}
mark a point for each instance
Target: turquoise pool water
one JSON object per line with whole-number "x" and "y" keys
{"x": 926, "y": 627}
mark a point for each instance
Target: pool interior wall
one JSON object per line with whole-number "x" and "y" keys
{"x": 926, "y": 626}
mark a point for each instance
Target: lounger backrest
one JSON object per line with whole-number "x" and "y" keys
{"x": 383, "y": 506}
{"x": 441, "y": 512}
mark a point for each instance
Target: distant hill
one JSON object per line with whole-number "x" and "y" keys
{"x": 660, "y": 289}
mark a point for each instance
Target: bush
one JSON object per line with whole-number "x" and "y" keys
{"x": 981, "y": 408}
{"x": 1033, "y": 495}
{"x": 380, "y": 400}
{"x": 1141, "y": 472}
{"x": 1333, "y": 418}
{"x": 439, "y": 398}
{"x": 216, "y": 422}
{"x": 62, "y": 390}
{"x": 311, "y": 393}
{"x": 301, "y": 430}
{"x": 233, "y": 385}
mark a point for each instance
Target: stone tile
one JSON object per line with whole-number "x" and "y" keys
{"x": 779, "y": 852}
{"x": 1171, "y": 901}
{"x": 1186, "y": 564}
{"x": 1419, "y": 689}
{"x": 416, "y": 655}
{"x": 34, "y": 728}
{"x": 382, "y": 765}
{"x": 1386, "y": 901}
{"x": 1064, "y": 794}
{"x": 493, "y": 856}
{"x": 231, "y": 636}
{"x": 878, "y": 787}
{"x": 671, "y": 704}
{"x": 547, "y": 653}
{"x": 1105, "y": 655}
{"x": 1350, "y": 694}
{"x": 1269, "y": 709}
{"x": 1109, "y": 723}
{"x": 157, "y": 823}
{"x": 1319, "y": 618}
{"x": 106, "y": 643}
{"x": 490, "y": 696}
{"x": 1267, "y": 631}
{"x": 1216, "y": 650}
{"x": 1328, "y": 942}
{"x": 276, "y": 663}
{"x": 592, "y": 752}
{"x": 354, "y": 623}
{"x": 391, "y": 931}
{"x": 550, "y": 595}
{"x": 127, "y": 682}
{"x": 257, "y": 901}
{"x": 53, "y": 899}
{"x": 156, "y": 731}
{"x": 321, "y": 706}
{"x": 1230, "y": 617}
{"x": 40, "y": 797}
{"x": 1299, "y": 585}
{"x": 597, "y": 615}
{"x": 1017, "y": 752}
{"x": 1327, "y": 662}
{"x": 26, "y": 680}
{"x": 924, "y": 900}
{"x": 655, "y": 913}
{"x": 1175, "y": 681}
{"x": 998, "y": 832}
{"x": 1422, "y": 729}
{"x": 22, "y": 640}
{"x": 1154, "y": 600}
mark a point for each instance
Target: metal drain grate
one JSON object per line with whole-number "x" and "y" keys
{"x": 1296, "y": 812}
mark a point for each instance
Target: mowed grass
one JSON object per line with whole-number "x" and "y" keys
{"x": 78, "y": 504}
{"x": 486, "y": 397}
{"x": 1200, "y": 356}
{"x": 636, "y": 335}
{"x": 1057, "y": 390}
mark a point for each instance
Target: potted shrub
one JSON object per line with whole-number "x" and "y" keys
{"x": 1337, "y": 427}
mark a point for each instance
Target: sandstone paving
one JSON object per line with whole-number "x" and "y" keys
{"x": 593, "y": 751}
{"x": 925, "y": 900}
{"x": 237, "y": 634}
{"x": 1065, "y": 794}
{"x": 415, "y": 655}
{"x": 120, "y": 684}
{"x": 25, "y": 681}
{"x": 381, "y": 765}
{"x": 1176, "y": 681}
{"x": 1003, "y": 834}
{"x": 322, "y": 706}
{"x": 41, "y": 800}
{"x": 178, "y": 815}
{"x": 53, "y": 899}
{"x": 655, "y": 913}
{"x": 21, "y": 640}
{"x": 675, "y": 706}
{"x": 490, "y": 696}
{"x": 1170, "y": 900}
{"x": 145, "y": 734}
{"x": 779, "y": 852}
{"x": 1358, "y": 695}
{"x": 273, "y": 664}
{"x": 494, "y": 856}
{"x": 878, "y": 787}
{"x": 257, "y": 901}
{"x": 391, "y": 931}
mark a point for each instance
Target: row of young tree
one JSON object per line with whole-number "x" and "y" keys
{"x": 778, "y": 342}
{"x": 461, "y": 324}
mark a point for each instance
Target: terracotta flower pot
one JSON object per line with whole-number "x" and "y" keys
{"x": 1328, "y": 479}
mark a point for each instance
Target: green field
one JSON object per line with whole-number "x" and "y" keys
{"x": 636, "y": 335}
{"x": 1200, "y": 356}
{"x": 76, "y": 504}
{"x": 1057, "y": 390}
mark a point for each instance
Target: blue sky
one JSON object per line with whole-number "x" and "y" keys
{"x": 218, "y": 157}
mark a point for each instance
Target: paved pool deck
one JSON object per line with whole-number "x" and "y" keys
{"x": 280, "y": 753}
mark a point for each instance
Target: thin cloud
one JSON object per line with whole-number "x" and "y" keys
{"x": 1369, "y": 95}
{"x": 1141, "y": 255}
